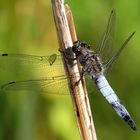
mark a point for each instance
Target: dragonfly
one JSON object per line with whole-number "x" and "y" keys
{"x": 95, "y": 64}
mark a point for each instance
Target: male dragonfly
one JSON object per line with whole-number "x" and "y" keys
{"x": 94, "y": 63}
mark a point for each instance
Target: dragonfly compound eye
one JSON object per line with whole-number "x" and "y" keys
{"x": 75, "y": 46}
{"x": 77, "y": 43}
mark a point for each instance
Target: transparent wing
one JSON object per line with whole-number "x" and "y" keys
{"x": 106, "y": 49}
{"x": 23, "y": 64}
{"x": 108, "y": 64}
{"x": 51, "y": 85}
{"x": 105, "y": 46}
{"x": 31, "y": 59}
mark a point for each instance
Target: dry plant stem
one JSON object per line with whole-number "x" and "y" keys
{"x": 70, "y": 23}
{"x": 79, "y": 97}
{"x": 74, "y": 38}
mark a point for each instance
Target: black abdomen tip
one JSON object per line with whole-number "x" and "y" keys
{"x": 131, "y": 123}
{"x": 134, "y": 128}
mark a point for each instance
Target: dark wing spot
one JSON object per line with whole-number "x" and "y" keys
{"x": 11, "y": 83}
{"x": 5, "y": 54}
{"x": 52, "y": 59}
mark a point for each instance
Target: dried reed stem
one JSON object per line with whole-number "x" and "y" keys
{"x": 66, "y": 34}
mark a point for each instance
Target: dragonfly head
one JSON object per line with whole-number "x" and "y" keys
{"x": 77, "y": 45}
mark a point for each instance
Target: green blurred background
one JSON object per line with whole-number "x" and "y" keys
{"x": 27, "y": 26}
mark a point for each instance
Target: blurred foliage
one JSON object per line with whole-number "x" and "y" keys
{"x": 28, "y": 27}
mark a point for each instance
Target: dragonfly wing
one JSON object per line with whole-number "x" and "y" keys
{"x": 21, "y": 64}
{"x": 51, "y": 85}
{"x": 105, "y": 46}
{"x": 106, "y": 49}
{"x": 116, "y": 55}
{"x": 25, "y": 58}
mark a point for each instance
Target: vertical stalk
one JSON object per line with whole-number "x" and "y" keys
{"x": 66, "y": 35}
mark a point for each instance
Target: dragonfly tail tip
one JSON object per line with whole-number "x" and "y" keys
{"x": 134, "y": 128}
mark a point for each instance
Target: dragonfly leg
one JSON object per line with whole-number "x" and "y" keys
{"x": 68, "y": 54}
{"x": 81, "y": 77}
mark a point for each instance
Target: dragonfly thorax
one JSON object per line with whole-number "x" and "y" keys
{"x": 89, "y": 60}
